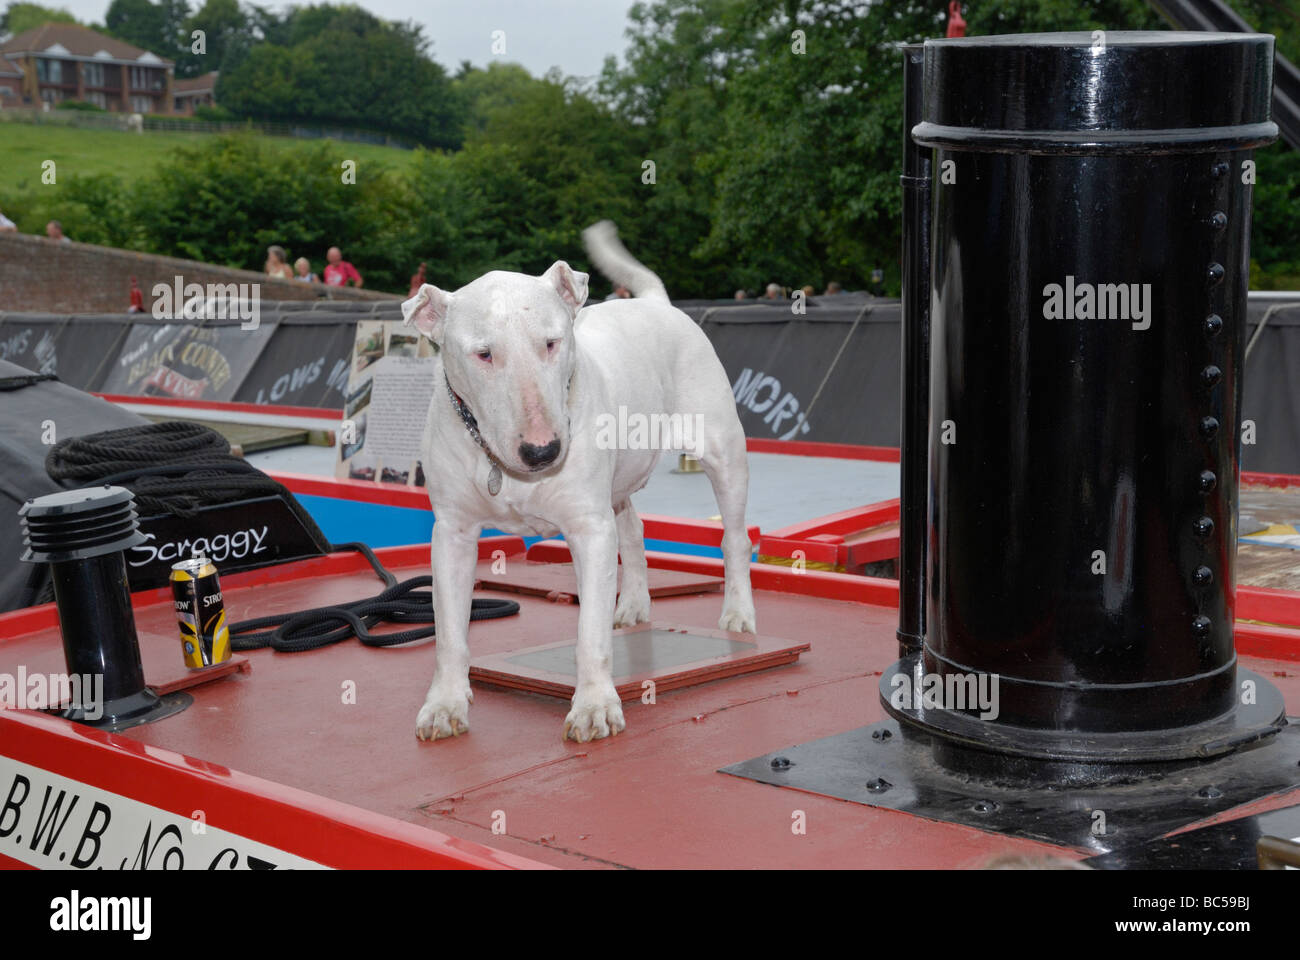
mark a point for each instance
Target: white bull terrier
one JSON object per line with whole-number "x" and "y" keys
{"x": 521, "y": 437}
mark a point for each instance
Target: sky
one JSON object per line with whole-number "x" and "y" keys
{"x": 574, "y": 35}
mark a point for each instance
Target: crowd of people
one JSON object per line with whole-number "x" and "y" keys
{"x": 775, "y": 291}
{"x": 337, "y": 273}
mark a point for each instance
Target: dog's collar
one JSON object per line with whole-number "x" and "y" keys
{"x": 467, "y": 418}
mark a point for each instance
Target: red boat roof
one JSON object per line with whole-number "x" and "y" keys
{"x": 650, "y": 797}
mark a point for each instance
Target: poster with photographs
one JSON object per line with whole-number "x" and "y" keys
{"x": 384, "y": 408}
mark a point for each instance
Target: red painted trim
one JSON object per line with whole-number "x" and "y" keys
{"x": 1251, "y": 478}
{"x": 365, "y": 491}
{"x": 844, "y": 522}
{"x": 810, "y": 583}
{"x": 329, "y": 832}
{"x": 871, "y": 549}
{"x": 1268, "y": 605}
{"x": 813, "y": 551}
{"x": 813, "y": 448}
{"x": 706, "y": 533}
{"x": 1262, "y": 640}
{"x": 320, "y": 413}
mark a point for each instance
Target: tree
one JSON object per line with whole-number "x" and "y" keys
{"x": 808, "y": 158}
{"x": 227, "y": 34}
{"x": 228, "y": 198}
{"x": 155, "y": 27}
{"x": 21, "y": 17}
{"x": 344, "y": 67}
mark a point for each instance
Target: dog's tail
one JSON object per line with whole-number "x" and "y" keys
{"x": 612, "y": 259}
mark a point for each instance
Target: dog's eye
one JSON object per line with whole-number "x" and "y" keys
{"x": 485, "y": 356}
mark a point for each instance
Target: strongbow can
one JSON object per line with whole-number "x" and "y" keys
{"x": 201, "y": 612}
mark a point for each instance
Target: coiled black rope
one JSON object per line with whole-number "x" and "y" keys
{"x": 398, "y": 603}
{"x": 174, "y": 467}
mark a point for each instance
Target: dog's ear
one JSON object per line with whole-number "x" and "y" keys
{"x": 570, "y": 284}
{"x": 427, "y": 310}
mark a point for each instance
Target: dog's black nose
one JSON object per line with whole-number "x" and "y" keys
{"x": 539, "y": 456}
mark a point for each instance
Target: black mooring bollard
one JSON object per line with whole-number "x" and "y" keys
{"x": 81, "y": 534}
{"x": 1089, "y": 269}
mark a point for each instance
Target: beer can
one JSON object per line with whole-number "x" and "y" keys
{"x": 201, "y": 612}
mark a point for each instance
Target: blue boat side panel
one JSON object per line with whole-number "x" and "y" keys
{"x": 382, "y": 525}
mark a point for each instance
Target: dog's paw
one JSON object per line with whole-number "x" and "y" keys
{"x": 595, "y": 714}
{"x": 633, "y": 608}
{"x": 737, "y": 620}
{"x": 445, "y": 714}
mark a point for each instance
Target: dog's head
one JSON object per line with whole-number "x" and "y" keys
{"x": 506, "y": 342}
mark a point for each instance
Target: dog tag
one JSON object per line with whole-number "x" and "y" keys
{"x": 494, "y": 480}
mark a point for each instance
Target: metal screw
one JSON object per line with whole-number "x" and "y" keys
{"x": 1209, "y": 793}
{"x": 984, "y": 806}
{"x": 878, "y": 785}
{"x": 781, "y": 763}
{"x": 881, "y": 734}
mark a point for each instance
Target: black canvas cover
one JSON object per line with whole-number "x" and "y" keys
{"x": 34, "y": 416}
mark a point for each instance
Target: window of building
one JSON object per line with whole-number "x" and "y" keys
{"x": 93, "y": 74}
{"x": 141, "y": 104}
{"x": 50, "y": 95}
{"x": 49, "y": 71}
{"x": 97, "y": 98}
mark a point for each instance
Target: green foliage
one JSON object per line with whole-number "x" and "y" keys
{"x": 214, "y": 113}
{"x": 155, "y": 27}
{"x": 79, "y": 105}
{"x": 731, "y": 150}
{"x": 20, "y": 17}
{"x": 228, "y": 199}
{"x": 1278, "y": 17}
{"x": 92, "y": 209}
{"x": 339, "y": 66}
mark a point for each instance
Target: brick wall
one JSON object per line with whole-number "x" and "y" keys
{"x": 40, "y": 276}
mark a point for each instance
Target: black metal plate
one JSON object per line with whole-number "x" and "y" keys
{"x": 1227, "y": 846}
{"x": 1132, "y": 813}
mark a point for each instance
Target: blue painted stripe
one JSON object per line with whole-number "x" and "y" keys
{"x": 383, "y": 525}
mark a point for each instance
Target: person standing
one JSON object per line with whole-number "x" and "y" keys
{"x": 54, "y": 230}
{"x": 277, "y": 264}
{"x": 338, "y": 271}
{"x": 303, "y": 267}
